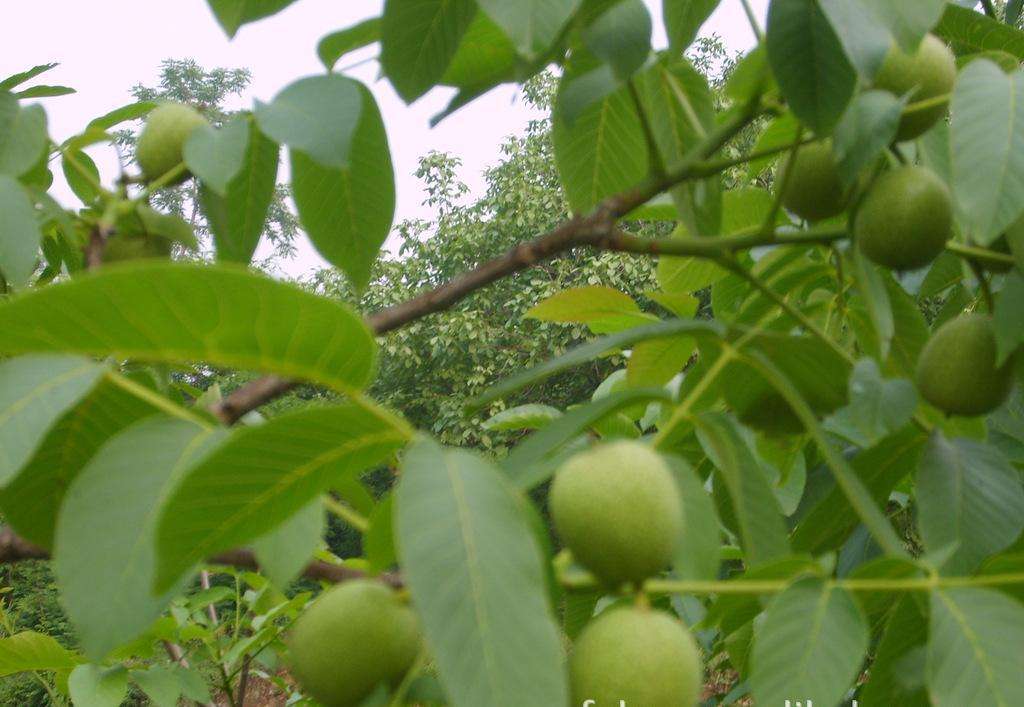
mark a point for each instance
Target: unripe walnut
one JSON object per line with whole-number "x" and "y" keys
{"x": 928, "y": 73}
{"x": 353, "y": 638}
{"x": 814, "y": 190}
{"x": 617, "y": 508}
{"x": 161, "y": 145}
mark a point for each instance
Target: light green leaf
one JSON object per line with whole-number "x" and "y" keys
{"x": 160, "y": 683}
{"x": 337, "y": 44}
{"x": 657, "y": 361}
{"x": 286, "y": 550}
{"x": 684, "y": 18}
{"x": 85, "y": 189}
{"x": 216, "y": 155}
{"x": 29, "y": 650}
{"x": 419, "y": 39}
{"x": 809, "y": 63}
{"x": 104, "y": 547}
{"x": 587, "y": 304}
{"x": 761, "y": 529}
{"x": 532, "y": 25}
{"x": 811, "y": 645}
{"x": 232, "y": 14}
{"x": 466, "y": 552}
{"x": 523, "y": 417}
{"x": 261, "y": 476}
{"x": 179, "y": 313}
{"x": 698, "y": 552}
{"x": 975, "y": 649}
{"x": 779, "y": 133}
{"x": 875, "y": 299}
{"x": 95, "y": 686}
{"x": 317, "y": 116}
{"x": 35, "y": 391}
{"x": 19, "y": 233}
{"x": 867, "y": 127}
{"x": 968, "y": 496}
{"x": 348, "y": 212}
{"x": 987, "y": 133}
{"x": 688, "y": 275}
{"x": 878, "y": 406}
{"x": 22, "y": 136}
{"x": 379, "y": 539}
{"x": 237, "y": 216}
{"x": 31, "y": 501}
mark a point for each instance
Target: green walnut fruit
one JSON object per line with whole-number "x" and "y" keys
{"x": 928, "y": 73}
{"x": 814, "y": 190}
{"x": 161, "y": 145}
{"x": 617, "y": 508}
{"x": 905, "y": 219}
{"x": 957, "y": 370}
{"x": 636, "y": 655}
{"x": 353, "y": 638}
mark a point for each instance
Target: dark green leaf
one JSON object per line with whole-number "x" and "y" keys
{"x": 698, "y": 552}
{"x": 863, "y": 33}
{"x": 419, "y": 39}
{"x": 532, "y": 25}
{"x": 969, "y": 31}
{"x": 762, "y": 532}
{"x": 238, "y": 216}
{"x": 216, "y": 155}
{"x": 379, "y": 539}
{"x": 23, "y": 136}
{"x": 878, "y": 407}
{"x": 286, "y": 550}
{"x": 178, "y": 313}
{"x": 261, "y": 476}
{"x": 466, "y": 549}
{"x": 969, "y": 499}
{"x": 18, "y": 79}
{"x": 1009, "y": 316}
{"x": 867, "y": 128}
{"x": 809, "y": 63}
{"x": 683, "y": 20}
{"x": 95, "y": 686}
{"x": 338, "y": 44}
{"x": 84, "y": 188}
{"x": 897, "y": 673}
{"x": 45, "y": 92}
{"x": 132, "y": 111}
{"x": 232, "y": 14}
{"x": 620, "y": 37}
{"x": 105, "y": 551}
{"x": 19, "y": 233}
{"x": 811, "y": 645}
{"x": 522, "y": 417}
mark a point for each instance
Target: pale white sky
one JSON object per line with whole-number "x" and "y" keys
{"x": 107, "y": 46}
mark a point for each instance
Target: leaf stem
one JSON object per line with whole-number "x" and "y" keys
{"x": 986, "y": 288}
{"x": 752, "y": 19}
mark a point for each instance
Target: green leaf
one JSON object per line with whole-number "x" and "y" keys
{"x": 286, "y": 550}
{"x": 337, "y": 44}
{"x": 602, "y": 152}
{"x": 811, "y": 645}
{"x": 31, "y": 501}
{"x": 419, "y": 39}
{"x": 532, "y": 25}
{"x": 318, "y": 116}
{"x": 968, "y": 496}
{"x": 45, "y": 92}
{"x": 987, "y": 133}
{"x": 1013, "y": 10}
{"x": 83, "y": 188}
{"x": 105, "y": 550}
{"x": 878, "y": 407}
{"x": 908, "y": 22}
{"x": 20, "y": 78}
{"x": 868, "y": 28}
{"x": 95, "y": 686}
{"x": 167, "y": 227}
{"x": 23, "y": 136}
{"x": 762, "y": 532}
{"x": 698, "y": 552}
{"x": 177, "y": 313}
{"x": 19, "y": 233}
{"x": 897, "y": 673}
{"x": 523, "y": 417}
{"x": 238, "y": 215}
{"x": 910, "y": 329}
{"x": 683, "y": 20}
{"x": 132, "y": 111}
{"x": 657, "y": 361}
{"x": 485, "y": 57}
{"x": 29, "y": 650}
{"x": 1009, "y": 316}
{"x": 975, "y": 648}
{"x": 35, "y": 391}
{"x": 466, "y": 550}
{"x": 348, "y": 212}
{"x": 261, "y": 476}
{"x": 620, "y": 36}
{"x": 582, "y": 354}
{"x": 809, "y": 63}
{"x": 161, "y": 683}
{"x": 216, "y": 155}
{"x": 732, "y": 611}
{"x": 379, "y": 539}
{"x": 591, "y": 304}
{"x": 866, "y": 129}
{"x": 825, "y": 519}
{"x": 687, "y": 275}
{"x": 780, "y": 132}
{"x": 970, "y": 32}
{"x": 232, "y": 14}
